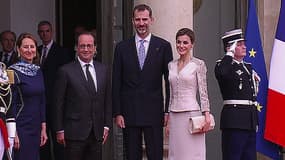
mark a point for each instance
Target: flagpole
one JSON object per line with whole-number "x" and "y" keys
{"x": 281, "y": 150}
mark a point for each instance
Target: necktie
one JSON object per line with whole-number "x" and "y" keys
{"x": 90, "y": 80}
{"x": 141, "y": 53}
{"x": 44, "y": 54}
{"x": 6, "y": 59}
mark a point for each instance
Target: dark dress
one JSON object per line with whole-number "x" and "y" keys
{"x": 29, "y": 86}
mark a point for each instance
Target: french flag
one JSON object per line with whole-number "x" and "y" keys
{"x": 275, "y": 116}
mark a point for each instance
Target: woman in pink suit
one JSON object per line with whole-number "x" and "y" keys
{"x": 187, "y": 75}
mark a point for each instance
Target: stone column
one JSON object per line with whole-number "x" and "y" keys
{"x": 169, "y": 17}
{"x": 268, "y": 14}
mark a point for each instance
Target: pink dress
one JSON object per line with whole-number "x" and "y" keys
{"x": 184, "y": 86}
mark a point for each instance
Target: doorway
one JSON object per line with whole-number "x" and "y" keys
{"x": 112, "y": 20}
{"x": 73, "y": 13}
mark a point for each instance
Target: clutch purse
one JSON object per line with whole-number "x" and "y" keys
{"x": 196, "y": 123}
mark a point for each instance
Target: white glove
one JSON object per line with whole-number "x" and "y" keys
{"x": 11, "y": 129}
{"x": 232, "y": 49}
{"x": 11, "y": 142}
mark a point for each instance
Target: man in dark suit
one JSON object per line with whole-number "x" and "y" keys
{"x": 52, "y": 56}
{"x": 139, "y": 65}
{"x": 238, "y": 84}
{"x": 82, "y": 103}
{"x": 8, "y": 56}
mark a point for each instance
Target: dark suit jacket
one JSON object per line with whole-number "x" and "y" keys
{"x": 13, "y": 59}
{"x": 77, "y": 111}
{"x": 57, "y": 56}
{"x": 138, "y": 94}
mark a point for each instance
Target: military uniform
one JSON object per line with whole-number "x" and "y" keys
{"x": 237, "y": 88}
{"x": 239, "y": 116}
{"x": 7, "y": 114}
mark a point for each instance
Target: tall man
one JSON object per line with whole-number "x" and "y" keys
{"x": 238, "y": 84}
{"x": 139, "y": 65}
{"x": 52, "y": 56}
{"x": 8, "y": 56}
{"x": 83, "y": 103}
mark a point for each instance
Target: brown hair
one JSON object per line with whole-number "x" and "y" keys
{"x": 86, "y": 33}
{"x": 7, "y": 31}
{"x": 186, "y": 31}
{"x": 22, "y": 36}
{"x": 42, "y": 23}
{"x": 142, "y": 7}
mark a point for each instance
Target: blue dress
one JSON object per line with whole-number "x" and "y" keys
{"x": 29, "y": 99}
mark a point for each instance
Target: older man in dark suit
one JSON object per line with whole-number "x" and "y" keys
{"x": 139, "y": 65}
{"x": 83, "y": 103}
{"x": 8, "y": 56}
{"x": 52, "y": 56}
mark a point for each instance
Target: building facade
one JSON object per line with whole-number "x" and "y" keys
{"x": 112, "y": 19}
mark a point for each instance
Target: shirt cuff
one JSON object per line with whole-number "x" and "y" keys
{"x": 107, "y": 128}
{"x": 61, "y": 131}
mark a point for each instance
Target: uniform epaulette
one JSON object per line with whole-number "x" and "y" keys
{"x": 218, "y": 61}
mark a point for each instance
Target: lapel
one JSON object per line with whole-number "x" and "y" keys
{"x": 1, "y": 54}
{"x": 13, "y": 58}
{"x": 152, "y": 49}
{"x": 51, "y": 51}
{"x": 40, "y": 50}
{"x": 135, "y": 55}
{"x": 99, "y": 77}
{"x": 151, "y": 53}
{"x": 81, "y": 76}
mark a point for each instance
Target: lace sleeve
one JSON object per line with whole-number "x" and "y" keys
{"x": 202, "y": 86}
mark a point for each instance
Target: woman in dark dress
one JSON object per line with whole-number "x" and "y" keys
{"x": 29, "y": 99}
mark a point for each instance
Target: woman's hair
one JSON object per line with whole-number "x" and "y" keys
{"x": 186, "y": 31}
{"x": 22, "y": 36}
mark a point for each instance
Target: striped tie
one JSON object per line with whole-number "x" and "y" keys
{"x": 141, "y": 53}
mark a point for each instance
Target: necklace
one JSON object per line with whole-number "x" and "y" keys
{"x": 182, "y": 62}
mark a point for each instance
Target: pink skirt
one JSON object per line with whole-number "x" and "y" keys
{"x": 182, "y": 144}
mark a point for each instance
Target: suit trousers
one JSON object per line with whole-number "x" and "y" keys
{"x": 238, "y": 144}
{"x": 153, "y": 138}
{"x": 88, "y": 149}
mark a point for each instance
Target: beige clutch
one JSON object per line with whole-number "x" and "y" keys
{"x": 196, "y": 123}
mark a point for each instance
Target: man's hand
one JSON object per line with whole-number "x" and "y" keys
{"x": 60, "y": 138}
{"x": 119, "y": 120}
{"x": 232, "y": 49}
{"x": 207, "y": 124}
{"x": 105, "y": 135}
{"x": 44, "y": 137}
{"x": 166, "y": 119}
{"x": 16, "y": 142}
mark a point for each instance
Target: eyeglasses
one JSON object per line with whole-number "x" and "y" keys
{"x": 88, "y": 46}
